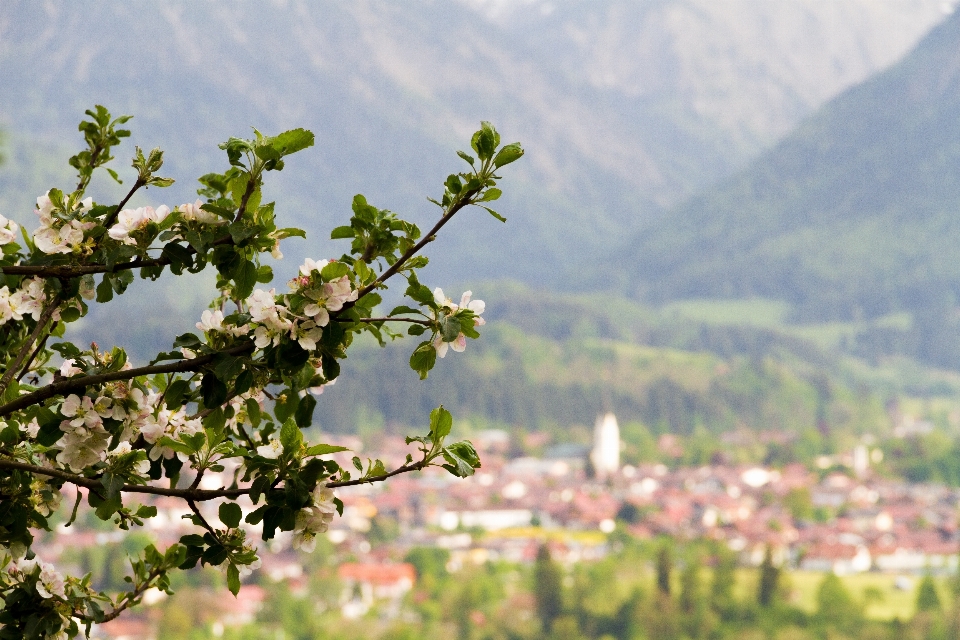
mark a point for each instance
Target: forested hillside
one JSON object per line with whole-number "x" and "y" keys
{"x": 624, "y": 107}
{"x": 853, "y": 215}
{"x": 549, "y": 361}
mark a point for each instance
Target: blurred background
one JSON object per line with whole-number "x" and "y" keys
{"x": 735, "y": 229}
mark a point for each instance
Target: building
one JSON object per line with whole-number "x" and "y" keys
{"x": 605, "y": 455}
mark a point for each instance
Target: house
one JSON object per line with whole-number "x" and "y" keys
{"x": 364, "y": 584}
{"x": 840, "y": 559}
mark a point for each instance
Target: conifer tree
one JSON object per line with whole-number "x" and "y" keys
{"x": 769, "y": 580}
{"x": 927, "y": 597}
{"x": 548, "y": 588}
{"x": 664, "y": 567}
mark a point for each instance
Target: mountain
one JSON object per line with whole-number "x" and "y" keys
{"x": 624, "y": 107}
{"x": 854, "y": 215}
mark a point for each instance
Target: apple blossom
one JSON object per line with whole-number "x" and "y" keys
{"x": 8, "y": 230}
{"x": 69, "y": 368}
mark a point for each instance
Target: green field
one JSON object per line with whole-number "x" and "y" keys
{"x": 889, "y": 602}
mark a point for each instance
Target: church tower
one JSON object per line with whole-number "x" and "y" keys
{"x": 606, "y": 446}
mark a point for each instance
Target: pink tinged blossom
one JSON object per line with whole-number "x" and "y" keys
{"x": 82, "y": 448}
{"x": 49, "y": 241}
{"x": 310, "y": 265}
{"x": 319, "y": 314}
{"x": 8, "y": 231}
{"x": 211, "y": 321}
{"x": 262, "y": 305}
{"x": 194, "y": 213}
{"x": 69, "y": 368}
{"x": 132, "y": 220}
{"x": 440, "y": 345}
{"x": 50, "y": 583}
{"x": 44, "y": 207}
{"x": 82, "y": 411}
{"x": 306, "y": 334}
{"x": 33, "y": 428}
{"x": 271, "y": 450}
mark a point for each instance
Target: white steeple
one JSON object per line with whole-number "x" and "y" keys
{"x": 606, "y": 446}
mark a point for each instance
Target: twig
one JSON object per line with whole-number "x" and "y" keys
{"x": 113, "y": 215}
{"x": 82, "y": 382}
{"x": 40, "y": 345}
{"x": 197, "y": 495}
{"x": 425, "y": 323}
{"x": 72, "y": 271}
{"x": 412, "y": 251}
{"x": 45, "y": 316}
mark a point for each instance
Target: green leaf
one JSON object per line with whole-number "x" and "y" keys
{"x": 230, "y": 514}
{"x": 450, "y": 329}
{"x": 490, "y": 194}
{"x": 423, "y": 359}
{"x": 292, "y": 141}
{"x": 402, "y": 309}
{"x": 233, "y": 578}
{"x": 304, "y": 413}
{"x": 342, "y": 232}
{"x": 245, "y": 278}
{"x": 494, "y": 214}
{"x": 508, "y": 154}
{"x": 70, "y": 314}
{"x": 441, "y": 422}
{"x": 146, "y": 511}
{"x": 253, "y": 412}
{"x": 290, "y": 436}
{"x": 322, "y": 449}
{"x": 462, "y": 459}
{"x": 176, "y": 445}
{"x": 213, "y": 390}
{"x": 175, "y": 393}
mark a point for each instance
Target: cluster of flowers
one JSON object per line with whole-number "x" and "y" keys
{"x": 56, "y": 235}
{"x": 449, "y": 309}
{"x": 27, "y": 300}
{"x": 314, "y": 519}
{"x": 8, "y": 231}
{"x": 85, "y": 439}
{"x": 130, "y": 221}
{"x": 50, "y": 583}
{"x": 273, "y": 317}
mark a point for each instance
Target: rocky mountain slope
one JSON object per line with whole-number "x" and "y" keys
{"x": 625, "y": 107}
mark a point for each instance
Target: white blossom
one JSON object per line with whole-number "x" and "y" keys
{"x": 50, "y": 583}
{"x": 69, "y": 368}
{"x": 314, "y": 519}
{"x": 132, "y": 220}
{"x": 271, "y": 450}
{"x": 447, "y": 309}
{"x": 193, "y": 212}
{"x": 8, "y": 231}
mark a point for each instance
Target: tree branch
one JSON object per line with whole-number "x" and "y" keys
{"x": 131, "y": 596}
{"x": 412, "y": 251}
{"x": 192, "y": 494}
{"x": 36, "y": 351}
{"x": 45, "y": 316}
{"x": 425, "y": 323}
{"x": 72, "y": 271}
{"x": 82, "y": 382}
{"x": 109, "y": 220}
